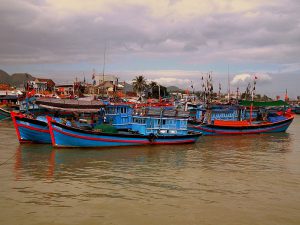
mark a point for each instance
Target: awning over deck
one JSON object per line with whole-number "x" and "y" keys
{"x": 263, "y": 104}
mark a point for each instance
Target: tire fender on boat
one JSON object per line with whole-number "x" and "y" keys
{"x": 151, "y": 137}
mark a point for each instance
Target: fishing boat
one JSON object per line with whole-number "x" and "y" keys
{"x": 30, "y": 129}
{"x": 269, "y": 123}
{"x": 296, "y": 109}
{"x": 142, "y": 133}
{"x": 35, "y": 130}
{"x": 4, "y": 114}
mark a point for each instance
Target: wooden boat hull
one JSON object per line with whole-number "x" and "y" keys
{"x": 4, "y": 114}
{"x": 64, "y": 136}
{"x": 297, "y": 110}
{"x": 31, "y": 130}
{"x": 211, "y": 129}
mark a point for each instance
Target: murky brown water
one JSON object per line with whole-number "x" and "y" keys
{"x": 220, "y": 180}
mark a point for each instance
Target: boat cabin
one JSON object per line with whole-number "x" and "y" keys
{"x": 161, "y": 122}
{"x": 229, "y": 113}
{"x": 119, "y": 116}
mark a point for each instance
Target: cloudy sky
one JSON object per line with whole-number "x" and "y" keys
{"x": 173, "y": 42}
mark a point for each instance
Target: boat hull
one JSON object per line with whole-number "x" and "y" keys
{"x": 64, "y": 136}
{"x": 4, "y": 114}
{"x": 281, "y": 126}
{"x": 31, "y": 130}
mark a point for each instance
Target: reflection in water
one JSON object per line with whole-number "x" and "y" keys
{"x": 44, "y": 161}
{"x": 36, "y": 160}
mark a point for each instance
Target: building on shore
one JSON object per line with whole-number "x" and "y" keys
{"x": 41, "y": 85}
{"x": 64, "y": 89}
{"x": 100, "y": 79}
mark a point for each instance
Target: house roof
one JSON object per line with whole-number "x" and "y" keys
{"x": 106, "y": 84}
{"x": 64, "y": 85}
{"x": 48, "y": 81}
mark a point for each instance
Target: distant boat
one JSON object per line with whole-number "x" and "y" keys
{"x": 4, "y": 114}
{"x": 296, "y": 109}
{"x": 278, "y": 122}
{"x": 69, "y": 105}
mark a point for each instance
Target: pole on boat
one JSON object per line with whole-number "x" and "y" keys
{"x": 159, "y": 93}
{"x": 228, "y": 80}
{"x": 252, "y": 97}
{"x": 104, "y": 56}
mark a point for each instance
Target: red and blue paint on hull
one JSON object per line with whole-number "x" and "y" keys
{"x": 211, "y": 129}
{"x": 65, "y": 136}
{"x": 31, "y": 130}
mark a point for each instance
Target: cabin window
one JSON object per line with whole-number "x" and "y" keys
{"x": 111, "y": 110}
{"x": 123, "y": 110}
{"x": 182, "y": 123}
{"x": 157, "y": 122}
{"x": 172, "y": 121}
{"x": 164, "y": 122}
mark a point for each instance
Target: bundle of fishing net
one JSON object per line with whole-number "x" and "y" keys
{"x": 105, "y": 128}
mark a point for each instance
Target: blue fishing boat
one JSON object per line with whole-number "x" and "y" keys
{"x": 36, "y": 130}
{"x": 141, "y": 134}
{"x": 268, "y": 123}
{"x": 31, "y": 130}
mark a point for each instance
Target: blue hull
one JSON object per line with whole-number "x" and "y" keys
{"x": 31, "y": 130}
{"x": 276, "y": 127}
{"x": 64, "y": 136}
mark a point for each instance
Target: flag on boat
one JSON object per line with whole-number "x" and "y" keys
{"x": 286, "y": 97}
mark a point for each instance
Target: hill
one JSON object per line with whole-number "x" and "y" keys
{"x": 16, "y": 79}
{"x": 173, "y": 89}
{"x": 4, "y": 77}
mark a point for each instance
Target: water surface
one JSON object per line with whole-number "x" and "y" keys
{"x": 251, "y": 180}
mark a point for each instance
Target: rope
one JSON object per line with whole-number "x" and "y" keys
{"x": 2, "y": 164}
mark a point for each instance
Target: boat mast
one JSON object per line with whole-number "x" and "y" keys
{"x": 104, "y": 56}
{"x": 228, "y": 80}
{"x": 252, "y": 98}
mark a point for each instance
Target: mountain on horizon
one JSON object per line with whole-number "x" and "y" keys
{"x": 173, "y": 89}
{"x": 4, "y": 77}
{"x": 16, "y": 79}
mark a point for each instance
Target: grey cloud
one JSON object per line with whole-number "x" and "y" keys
{"x": 30, "y": 33}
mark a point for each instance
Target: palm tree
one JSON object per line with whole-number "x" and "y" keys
{"x": 139, "y": 84}
{"x": 152, "y": 85}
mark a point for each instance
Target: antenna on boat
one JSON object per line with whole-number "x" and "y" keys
{"x": 104, "y": 57}
{"x": 228, "y": 78}
{"x": 203, "y": 94}
{"x": 286, "y": 98}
